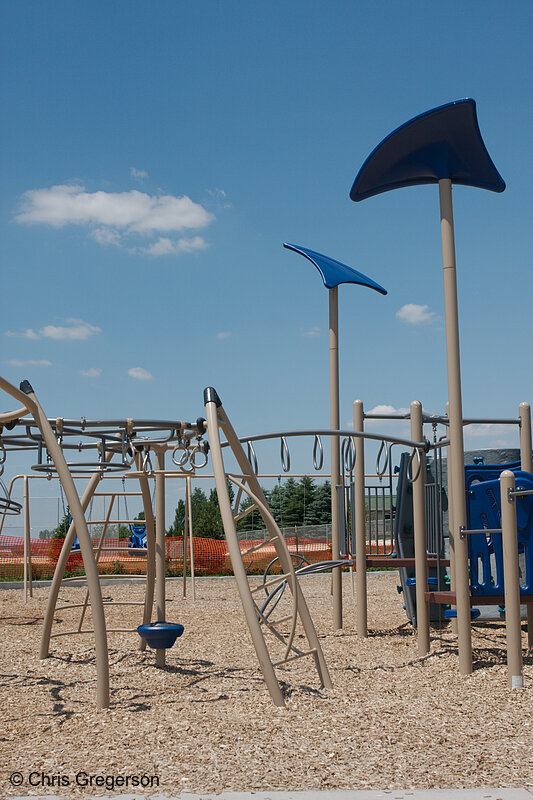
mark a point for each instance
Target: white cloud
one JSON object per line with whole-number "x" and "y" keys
{"x": 415, "y": 314}
{"x": 140, "y": 374}
{"x": 223, "y": 335}
{"x": 76, "y": 329}
{"x": 138, "y": 174}
{"x": 43, "y": 362}
{"x": 92, "y": 372}
{"x": 165, "y": 246}
{"x": 106, "y": 236}
{"x": 385, "y": 409}
{"x": 315, "y": 331}
{"x": 29, "y": 333}
{"x": 113, "y": 217}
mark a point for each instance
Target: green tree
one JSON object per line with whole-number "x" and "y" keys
{"x": 319, "y": 510}
{"x": 61, "y": 530}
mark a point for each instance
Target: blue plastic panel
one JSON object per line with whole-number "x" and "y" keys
{"x": 442, "y": 143}
{"x": 485, "y": 550}
{"x": 476, "y": 473}
{"x": 333, "y": 272}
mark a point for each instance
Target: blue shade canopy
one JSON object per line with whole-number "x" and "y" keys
{"x": 333, "y": 272}
{"x": 442, "y": 143}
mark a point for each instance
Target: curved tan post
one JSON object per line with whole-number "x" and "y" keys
{"x": 526, "y": 464}
{"x": 91, "y": 571}
{"x": 228, "y": 521}
{"x": 336, "y": 575}
{"x": 419, "y": 520}
{"x": 511, "y": 581}
{"x": 360, "y": 526}
{"x": 150, "y": 546}
{"x": 61, "y": 563}
{"x": 456, "y": 467}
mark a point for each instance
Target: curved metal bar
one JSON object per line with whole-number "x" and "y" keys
{"x": 252, "y": 458}
{"x": 376, "y": 437}
{"x": 318, "y": 450}
{"x": 8, "y": 507}
{"x": 82, "y": 467}
{"x": 285, "y": 455}
{"x": 11, "y": 416}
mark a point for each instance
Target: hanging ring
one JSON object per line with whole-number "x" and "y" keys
{"x": 348, "y": 454}
{"x": 318, "y": 453}
{"x": 147, "y": 463}
{"x": 410, "y": 476}
{"x": 383, "y": 448}
{"x": 285, "y": 455}
{"x": 183, "y": 458}
{"x": 128, "y": 451}
{"x": 196, "y": 457}
{"x": 252, "y": 458}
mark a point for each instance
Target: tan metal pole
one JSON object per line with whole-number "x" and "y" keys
{"x": 160, "y": 543}
{"x": 511, "y": 581}
{"x": 450, "y": 522}
{"x": 526, "y": 464}
{"x": 335, "y": 450}
{"x": 456, "y": 467}
{"x": 360, "y": 528}
{"x": 150, "y": 547}
{"x": 185, "y": 538}
{"x": 419, "y": 520}
{"x": 27, "y": 542}
{"x": 191, "y": 542}
{"x": 526, "y": 454}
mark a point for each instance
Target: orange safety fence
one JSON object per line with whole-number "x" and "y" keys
{"x": 211, "y": 556}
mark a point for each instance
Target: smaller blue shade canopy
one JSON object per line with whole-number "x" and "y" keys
{"x": 442, "y": 143}
{"x": 333, "y": 272}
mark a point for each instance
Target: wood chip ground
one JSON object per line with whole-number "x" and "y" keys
{"x": 206, "y": 723}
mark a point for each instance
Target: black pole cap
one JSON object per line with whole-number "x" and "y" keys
{"x": 202, "y": 427}
{"x": 211, "y": 396}
{"x": 26, "y": 387}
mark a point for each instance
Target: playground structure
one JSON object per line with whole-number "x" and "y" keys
{"x": 443, "y": 146}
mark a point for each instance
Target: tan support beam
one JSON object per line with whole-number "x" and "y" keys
{"x": 526, "y": 464}
{"x": 451, "y": 527}
{"x": 456, "y": 467}
{"x": 160, "y": 546}
{"x": 511, "y": 581}
{"x": 27, "y": 542}
{"x": 150, "y": 546}
{"x": 335, "y": 451}
{"x": 360, "y": 524}
{"x": 419, "y": 520}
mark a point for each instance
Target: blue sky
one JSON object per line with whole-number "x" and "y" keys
{"x": 155, "y": 156}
